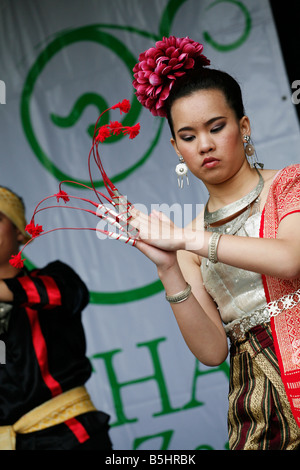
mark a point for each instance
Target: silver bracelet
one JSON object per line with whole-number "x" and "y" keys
{"x": 212, "y": 247}
{"x": 181, "y": 296}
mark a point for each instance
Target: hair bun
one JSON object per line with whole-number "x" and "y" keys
{"x": 160, "y": 66}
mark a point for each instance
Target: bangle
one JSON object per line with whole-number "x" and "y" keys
{"x": 181, "y": 296}
{"x": 212, "y": 247}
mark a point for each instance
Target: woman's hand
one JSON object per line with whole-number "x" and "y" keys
{"x": 164, "y": 260}
{"x": 157, "y": 230}
{"x": 158, "y": 238}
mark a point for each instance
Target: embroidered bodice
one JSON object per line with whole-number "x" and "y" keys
{"x": 236, "y": 292}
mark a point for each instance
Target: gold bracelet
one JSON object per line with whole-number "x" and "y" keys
{"x": 212, "y": 247}
{"x": 181, "y": 296}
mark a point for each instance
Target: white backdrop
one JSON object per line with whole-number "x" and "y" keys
{"x": 61, "y": 60}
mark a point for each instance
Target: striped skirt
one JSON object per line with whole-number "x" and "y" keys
{"x": 259, "y": 416}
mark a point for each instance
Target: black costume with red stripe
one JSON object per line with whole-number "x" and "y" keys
{"x": 46, "y": 355}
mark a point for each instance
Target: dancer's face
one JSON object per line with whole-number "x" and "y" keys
{"x": 208, "y": 135}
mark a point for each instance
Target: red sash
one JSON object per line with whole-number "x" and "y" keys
{"x": 284, "y": 199}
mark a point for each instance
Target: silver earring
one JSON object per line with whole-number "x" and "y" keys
{"x": 181, "y": 170}
{"x": 251, "y": 153}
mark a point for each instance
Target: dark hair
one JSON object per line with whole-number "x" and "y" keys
{"x": 207, "y": 79}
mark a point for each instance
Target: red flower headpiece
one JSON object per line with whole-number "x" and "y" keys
{"x": 160, "y": 66}
{"x": 118, "y": 217}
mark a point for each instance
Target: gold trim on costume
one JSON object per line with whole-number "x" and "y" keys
{"x": 55, "y": 411}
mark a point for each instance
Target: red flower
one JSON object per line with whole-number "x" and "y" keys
{"x": 16, "y": 261}
{"x": 34, "y": 230}
{"x": 63, "y": 195}
{"x": 103, "y": 134}
{"x": 115, "y": 127}
{"x": 124, "y": 106}
{"x": 132, "y": 131}
{"x": 160, "y": 66}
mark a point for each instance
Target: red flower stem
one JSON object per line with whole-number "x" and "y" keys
{"x": 70, "y": 207}
{"x": 84, "y": 186}
{"x": 111, "y": 235}
{"x": 66, "y": 207}
{"x": 92, "y": 150}
{"x": 36, "y": 208}
{"x": 112, "y": 218}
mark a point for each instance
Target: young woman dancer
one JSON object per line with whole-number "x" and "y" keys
{"x": 236, "y": 275}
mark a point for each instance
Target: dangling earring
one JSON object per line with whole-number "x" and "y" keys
{"x": 181, "y": 170}
{"x": 251, "y": 153}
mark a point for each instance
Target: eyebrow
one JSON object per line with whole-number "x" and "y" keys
{"x": 207, "y": 123}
